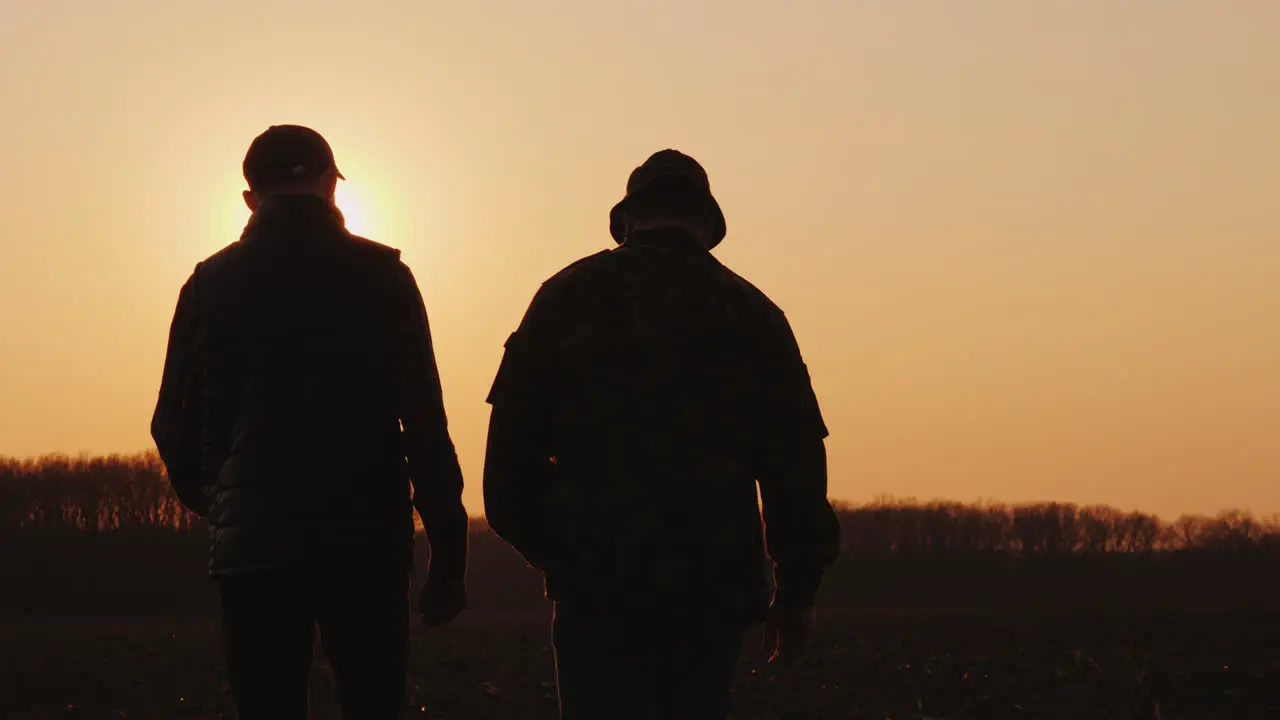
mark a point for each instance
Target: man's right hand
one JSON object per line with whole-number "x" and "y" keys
{"x": 788, "y": 632}
{"x": 441, "y": 601}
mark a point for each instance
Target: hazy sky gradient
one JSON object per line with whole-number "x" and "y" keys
{"x": 1031, "y": 249}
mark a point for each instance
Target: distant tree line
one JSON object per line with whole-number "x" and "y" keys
{"x": 122, "y": 493}
{"x": 95, "y": 494}
{"x": 109, "y": 531}
{"x": 888, "y": 526}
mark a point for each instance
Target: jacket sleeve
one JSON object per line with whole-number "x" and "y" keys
{"x": 802, "y": 531}
{"x": 433, "y": 462}
{"x": 519, "y": 464}
{"x": 176, "y": 424}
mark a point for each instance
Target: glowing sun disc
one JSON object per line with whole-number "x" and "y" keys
{"x": 355, "y": 208}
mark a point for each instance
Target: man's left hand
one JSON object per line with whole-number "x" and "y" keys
{"x": 788, "y": 633}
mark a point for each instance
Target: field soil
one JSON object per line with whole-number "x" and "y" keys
{"x": 866, "y": 664}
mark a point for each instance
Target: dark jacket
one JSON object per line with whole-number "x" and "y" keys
{"x": 646, "y": 392}
{"x": 300, "y": 399}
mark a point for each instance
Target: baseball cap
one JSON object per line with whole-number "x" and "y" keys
{"x": 675, "y": 170}
{"x": 287, "y": 154}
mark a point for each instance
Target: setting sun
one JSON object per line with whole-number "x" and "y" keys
{"x": 355, "y": 207}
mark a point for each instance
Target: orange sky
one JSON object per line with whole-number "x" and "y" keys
{"x": 1030, "y": 249}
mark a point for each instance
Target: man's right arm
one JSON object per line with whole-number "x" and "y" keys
{"x": 176, "y": 422}
{"x": 433, "y": 461}
{"x": 518, "y": 467}
{"x": 801, "y": 528}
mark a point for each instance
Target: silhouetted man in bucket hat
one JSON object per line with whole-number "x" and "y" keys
{"x": 299, "y": 403}
{"x": 644, "y": 395}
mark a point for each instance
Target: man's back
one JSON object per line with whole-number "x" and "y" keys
{"x": 304, "y": 348}
{"x": 659, "y": 371}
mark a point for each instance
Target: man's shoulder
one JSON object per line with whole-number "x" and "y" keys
{"x": 577, "y": 274}
{"x": 377, "y": 249}
{"x": 582, "y": 268}
{"x": 381, "y": 261}
{"x": 751, "y": 296}
{"x": 228, "y": 256}
{"x": 565, "y": 290}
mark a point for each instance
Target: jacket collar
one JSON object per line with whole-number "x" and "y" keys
{"x": 294, "y": 215}
{"x": 667, "y": 238}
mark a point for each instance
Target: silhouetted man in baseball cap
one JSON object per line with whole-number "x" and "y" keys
{"x": 287, "y": 156}
{"x": 299, "y": 404}
{"x": 646, "y": 392}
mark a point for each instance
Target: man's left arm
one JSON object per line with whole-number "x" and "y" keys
{"x": 176, "y": 424}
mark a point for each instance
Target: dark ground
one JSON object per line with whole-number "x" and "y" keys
{"x": 945, "y": 666}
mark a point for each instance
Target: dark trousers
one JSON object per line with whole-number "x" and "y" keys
{"x": 657, "y": 667}
{"x": 269, "y": 622}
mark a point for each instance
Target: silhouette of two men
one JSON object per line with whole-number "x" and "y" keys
{"x": 644, "y": 396}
